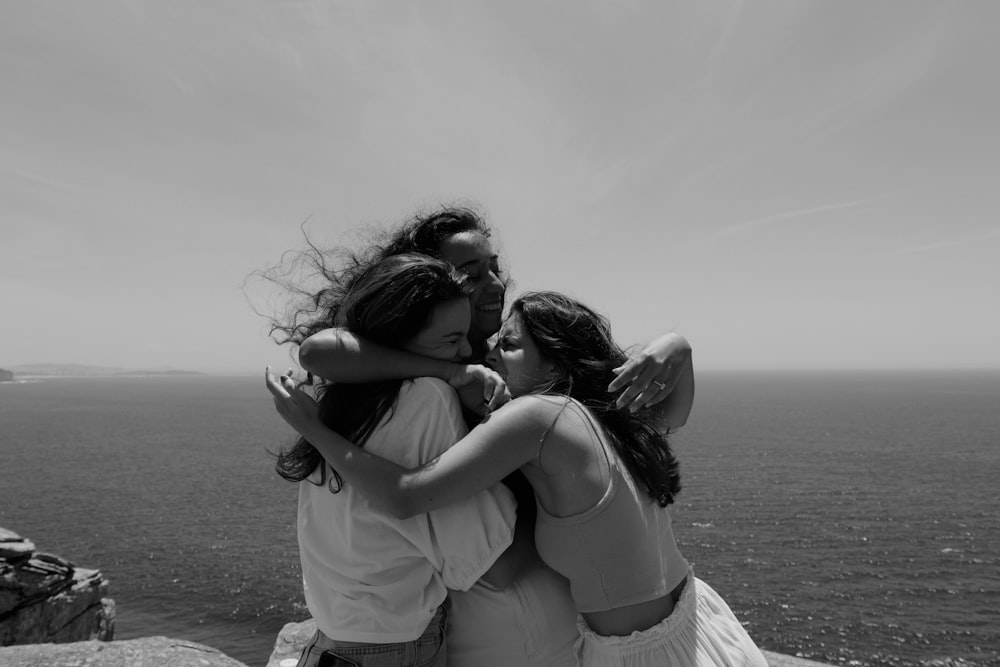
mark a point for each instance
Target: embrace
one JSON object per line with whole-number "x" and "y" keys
{"x": 483, "y": 490}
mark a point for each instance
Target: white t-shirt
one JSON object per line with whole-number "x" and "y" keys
{"x": 370, "y": 577}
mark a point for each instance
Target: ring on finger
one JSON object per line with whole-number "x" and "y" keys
{"x": 660, "y": 385}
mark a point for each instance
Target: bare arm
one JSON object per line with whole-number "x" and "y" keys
{"x": 506, "y": 441}
{"x": 659, "y": 378}
{"x": 337, "y": 354}
{"x": 672, "y": 413}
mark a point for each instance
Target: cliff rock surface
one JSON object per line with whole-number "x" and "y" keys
{"x": 290, "y": 642}
{"x": 145, "y": 652}
{"x": 45, "y": 598}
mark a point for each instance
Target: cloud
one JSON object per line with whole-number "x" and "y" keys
{"x": 965, "y": 240}
{"x": 766, "y": 221}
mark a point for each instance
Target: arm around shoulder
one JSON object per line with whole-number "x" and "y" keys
{"x": 507, "y": 440}
{"x": 500, "y": 445}
{"x": 339, "y": 355}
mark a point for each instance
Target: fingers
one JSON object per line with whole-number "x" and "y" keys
{"x": 649, "y": 388}
{"x": 651, "y": 395}
{"x": 500, "y": 397}
{"x": 274, "y": 386}
{"x": 640, "y": 376}
{"x": 626, "y": 374}
{"x": 283, "y": 389}
{"x": 495, "y": 393}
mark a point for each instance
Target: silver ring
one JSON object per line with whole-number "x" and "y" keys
{"x": 661, "y": 385}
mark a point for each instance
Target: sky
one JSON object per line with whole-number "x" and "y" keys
{"x": 789, "y": 184}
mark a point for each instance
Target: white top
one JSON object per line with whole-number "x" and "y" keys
{"x": 373, "y": 578}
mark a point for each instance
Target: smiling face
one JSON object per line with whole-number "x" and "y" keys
{"x": 446, "y": 334}
{"x": 472, "y": 254}
{"x": 517, "y": 359}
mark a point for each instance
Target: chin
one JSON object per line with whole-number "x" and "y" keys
{"x": 490, "y": 320}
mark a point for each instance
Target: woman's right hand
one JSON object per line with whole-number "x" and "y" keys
{"x": 295, "y": 406}
{"x": 492, "y": 390}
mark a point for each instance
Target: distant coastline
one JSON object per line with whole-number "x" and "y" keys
{"x": 49, "y": 370}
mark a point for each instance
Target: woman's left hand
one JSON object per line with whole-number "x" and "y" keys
{"x": 295, "y": 406}
{"x": 649, "y": 376}
{"x": 480, "y": 389}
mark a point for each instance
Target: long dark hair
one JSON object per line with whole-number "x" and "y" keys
{"x": 426, "y": 232}
{"x": 388, "y": 302}
{"x": 316, "y": 309}
{"x": 579, "y": 341}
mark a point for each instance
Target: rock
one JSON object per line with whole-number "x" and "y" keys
{"x": 780, "y": 660}
{"x": 145, "y": 652}
{"x": 45, "y": 598}
{"x": 13, "y": 547}
{"x": 290, "y": 642}
{"x": 6, "y": 376}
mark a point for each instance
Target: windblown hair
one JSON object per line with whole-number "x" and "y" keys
{"x": 316, "y": 310}
{"x": 578, "y": 340}
{"x": 387, "y": 301}
{"x": 426, "y": 233}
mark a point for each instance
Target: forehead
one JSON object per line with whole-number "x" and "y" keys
{"x": 512, "y": 326}
{"x": 466, "y": 247}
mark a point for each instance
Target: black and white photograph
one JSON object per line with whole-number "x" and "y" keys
{"x": 553, "y": 333}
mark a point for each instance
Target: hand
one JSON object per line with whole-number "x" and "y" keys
{"x": 295, "y": 406}
{"x": 494, "y": 391}
{"x": 650, "y": 375}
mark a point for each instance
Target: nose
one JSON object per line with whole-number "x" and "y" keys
{"x": 492, "y": 357}
{"x": 495, "y": 284}
{"x": 464, "y": 348}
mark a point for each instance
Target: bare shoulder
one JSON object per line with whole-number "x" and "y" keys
{"x": 533, "y": 410}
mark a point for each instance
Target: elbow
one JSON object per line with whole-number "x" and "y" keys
{"x": 401, "y": 504}
{"x": 308, "y": 356}
{"x": 316, "y": 349}
{"x": 400, "y": 511}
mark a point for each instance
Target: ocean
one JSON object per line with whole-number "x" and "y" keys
{"x": 846, "y": 517}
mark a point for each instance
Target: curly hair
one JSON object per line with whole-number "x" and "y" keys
{"x": 336, "y": 270}
{"x": 579, "y": 341}
{"x": 387, "y": 301}
{"x": 425, "y": 233}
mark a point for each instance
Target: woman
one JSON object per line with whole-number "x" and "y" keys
{"x": 459, "y": 236}
{"x": 602, "y": 479}
{"x": 532, "y": 621}
{"x": 376, "y": 585}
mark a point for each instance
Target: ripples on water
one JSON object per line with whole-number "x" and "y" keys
{"x": 847, "y": 518}
{"x": 851, "y": 518}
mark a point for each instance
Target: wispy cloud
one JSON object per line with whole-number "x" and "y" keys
{"x": 745, "y": 226}
{"x": 967, "y": 239}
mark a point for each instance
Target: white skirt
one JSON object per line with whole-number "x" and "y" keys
{"x": 701, "y": 631}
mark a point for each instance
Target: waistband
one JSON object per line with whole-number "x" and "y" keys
{"x": 680, "y": 618}
{"x": 440, "y": 619}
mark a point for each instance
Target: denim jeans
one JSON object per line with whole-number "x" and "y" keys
{"x": 427, "y": 650}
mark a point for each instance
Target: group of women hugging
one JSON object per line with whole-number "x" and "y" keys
{"x": 481, "y": 489}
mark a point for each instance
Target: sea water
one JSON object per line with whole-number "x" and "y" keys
{"x": 850, "y": 517}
